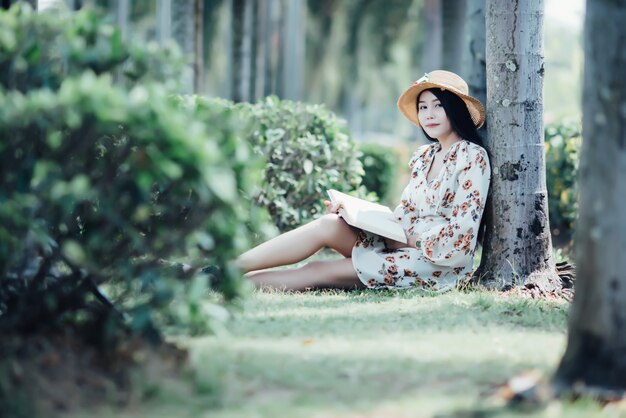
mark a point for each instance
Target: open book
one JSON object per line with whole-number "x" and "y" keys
{"x": 368, "y": 216}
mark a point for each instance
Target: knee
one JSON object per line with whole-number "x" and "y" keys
{"x": 332, "y": 222}
{"x": 331, "y": 226}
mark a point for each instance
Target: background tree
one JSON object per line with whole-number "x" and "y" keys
{"x": 241, "y": 57}
{"x": 517, "y": 247}
{"x": 183, "y": 32}
{"x": 432, "y": 28}
{"x": 595, "y": 361}
{"x": 453, "y": 34}
{"x": 474, "y": 62}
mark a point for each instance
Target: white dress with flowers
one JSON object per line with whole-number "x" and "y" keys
{"x": 444, "y": 212}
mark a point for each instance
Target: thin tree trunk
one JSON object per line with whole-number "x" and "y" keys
{"x": 274, "y": 40}
{"x": 242, "y": 58}
{"x": 453, "y": 34}
{"x": 261, "y": 44}
{"x": 255, "y": 45}
{"x": 183, "y": 33}
{"x": 595, "y": 360}
{"x": 198, "y": 67}
{"x": 293, "y": 52}
{"x": 517, "y": 248}
{"x": 164, "y": 21}
{"x": 431, "y": 59}
{"x": 474, "y": 54}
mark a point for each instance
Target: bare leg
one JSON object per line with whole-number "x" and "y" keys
{"x": 336, "y": 274}
{"x": 296, "y": 245}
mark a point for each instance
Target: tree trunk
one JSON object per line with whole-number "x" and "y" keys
{"x": 183, "y": 34}
{"x": 453, "y": 34}
{"x": 122, "y": 13}
{"x": 293, "y": 53}
{"x": 474, "y": 54}
{"x": 517, "y": 247}
{"x": 431, "y": 59}
{"x": 595, "y": 360}
{"x": 198, "y": 62}
{"x": 241, "y": 50}
{"x": 164, "y": 21}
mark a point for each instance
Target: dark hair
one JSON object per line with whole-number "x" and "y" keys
{"x": 457, "y": 113}
{"x": 463, "y": 125}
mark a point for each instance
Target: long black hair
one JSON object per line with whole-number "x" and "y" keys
{"x": 463, "y": 125}
{"x": 457, "y": 113}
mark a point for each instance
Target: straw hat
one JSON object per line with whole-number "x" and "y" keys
{"x": 445, "y": 80}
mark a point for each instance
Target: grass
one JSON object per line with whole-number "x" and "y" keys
{"x": 368, "y": 354}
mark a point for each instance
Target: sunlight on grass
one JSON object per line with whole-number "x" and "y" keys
{"x": 369, "y": 354}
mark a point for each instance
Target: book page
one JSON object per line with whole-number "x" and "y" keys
{"x": 368, "y": 216}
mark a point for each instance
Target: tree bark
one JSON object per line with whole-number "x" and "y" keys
{"x": 183, "y": 34}
{"x": 474, "y": 54}
{"x": 431, "y": 59}
{"x": 453, "y": 34}
{"x": 595, "y": 360}
{"x": 242, "y": 59}
{"x": 293, "y": 62}
{"x": 517, "y": 249}
{"x": 122, "y": 13}
{"x": 198, "y": 62}
{"x": 164, "y": 21}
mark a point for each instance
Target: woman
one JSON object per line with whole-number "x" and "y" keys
{"x": 440, "y": 209}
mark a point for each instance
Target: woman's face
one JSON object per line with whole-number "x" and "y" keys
{"x": 432, "y": 116}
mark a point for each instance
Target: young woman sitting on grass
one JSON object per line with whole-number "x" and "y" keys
{"x": 440, "y": 209}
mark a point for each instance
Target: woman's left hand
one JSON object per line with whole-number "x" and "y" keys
{"x": 395, "y": 245}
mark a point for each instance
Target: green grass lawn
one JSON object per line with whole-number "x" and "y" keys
{"x": 369, "y": 354}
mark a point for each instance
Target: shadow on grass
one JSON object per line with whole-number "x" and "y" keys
{"x": 343, "y": 353}
{"x": 260, "y": 377}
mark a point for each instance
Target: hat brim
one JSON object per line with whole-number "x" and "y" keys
{"x": 407, "y": 103}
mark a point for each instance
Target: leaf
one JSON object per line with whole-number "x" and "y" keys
{"x": 222, "y": 183}
{"x": 308, "y": 166}
{"x": 73, "y": 251}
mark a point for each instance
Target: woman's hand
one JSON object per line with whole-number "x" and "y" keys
{"x": 395, "y": 245}
{"x": 332, "y": 207}
{"x": 412, "y": 241}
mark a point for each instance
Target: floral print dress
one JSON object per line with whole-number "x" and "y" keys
{"x": 444, "y": 213}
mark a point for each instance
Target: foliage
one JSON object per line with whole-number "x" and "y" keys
{"x": 380, "y": 164}
{"x": 101, "y": 182}
{"x": 306, "y": 150}
{"x": 563, "y": 142}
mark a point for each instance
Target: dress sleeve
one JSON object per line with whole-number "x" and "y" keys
{"x": 453, "y": 242}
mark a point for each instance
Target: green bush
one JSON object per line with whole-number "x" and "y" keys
{"x": 563, "y": 142}
{"x": 380, "y": 164}
{"x": 306, "y": 150}
{"x": 101, "y": 182}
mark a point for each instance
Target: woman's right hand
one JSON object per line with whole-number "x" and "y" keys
{"x": 332, "y": 207}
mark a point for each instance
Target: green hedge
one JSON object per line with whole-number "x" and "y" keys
{"x": 306, "y": 150}
{"x": 101, "y": 182}
{"x": 563, "y": 141}
{"x": 380, "y": 164}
